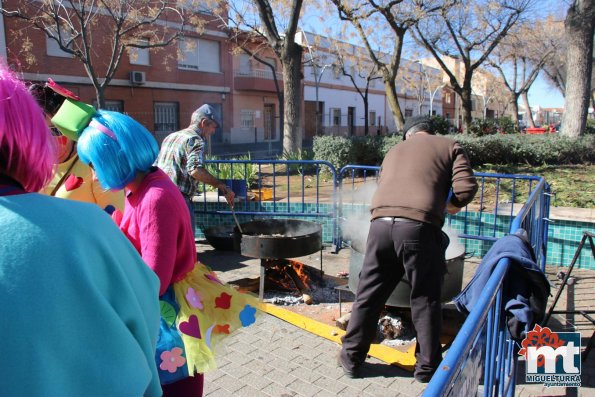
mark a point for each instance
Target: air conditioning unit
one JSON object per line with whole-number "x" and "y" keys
{"x": 137, "y": 77}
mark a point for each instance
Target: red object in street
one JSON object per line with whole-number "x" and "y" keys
{"x": 535, "y": 130}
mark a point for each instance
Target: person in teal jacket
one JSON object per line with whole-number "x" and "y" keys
{"x": 79, "y": 308}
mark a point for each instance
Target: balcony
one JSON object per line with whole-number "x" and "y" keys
{"x": 256, "y": 80}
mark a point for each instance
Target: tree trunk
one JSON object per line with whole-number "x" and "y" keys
{"x": 529, "y": 113}
{"x": 100, "y": 96}
{"x": 393, "y": 103}
{"x": 292, "y": 77}
{"x": 366, "y": 121}
{"x": 467, "y": 104}
{"x": 579, "y": 28}
{"x": 515, "y": 107}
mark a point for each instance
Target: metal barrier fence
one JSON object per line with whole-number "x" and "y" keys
{"x": 505, "y": 204}
{"x": 275, "y": 188}
{"x": 490, "y": 216}
{"x": 484, "y": 339}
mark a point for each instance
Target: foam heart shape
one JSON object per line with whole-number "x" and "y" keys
{"x": 223, "y": 301}
{"x": 190, "y": 327}
{"x": 73, "y": 182}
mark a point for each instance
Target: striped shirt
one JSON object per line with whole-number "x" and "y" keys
{"x": 181, "y": 153}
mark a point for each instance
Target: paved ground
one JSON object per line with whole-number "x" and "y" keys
{"x": 275, "y": 358}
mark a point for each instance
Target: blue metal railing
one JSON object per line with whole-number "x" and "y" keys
{"x": 483, "y": 346}
{"x": 484, "y": 338}
{"x": 274, "y": 177}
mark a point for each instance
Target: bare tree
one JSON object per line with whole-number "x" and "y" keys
{"x": 518, "y": 60}
{"x": 579, "y": 28}
{"x": 354, "y": 64}
{"x": 77, "y": 26}
{"x": 555, "y": 67}
{"x": 411, "y": 82}
{"x": 257, "y": 47}
{"x": 276, "y": 24}
{"x": 465, "y": 35}
{"x": 373, "y": 20}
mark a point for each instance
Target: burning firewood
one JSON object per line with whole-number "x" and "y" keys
{"x": 307, "y": 299}
{"x": 391, "y": 328}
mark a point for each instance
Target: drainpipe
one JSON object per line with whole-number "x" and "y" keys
{"x": 3, "y": 51}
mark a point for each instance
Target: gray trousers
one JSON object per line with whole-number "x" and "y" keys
{"x": 190, "y": 205}
{"x": 394, "y": 249}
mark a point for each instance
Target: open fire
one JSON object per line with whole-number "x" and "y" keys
{"x": 286, "y": 275}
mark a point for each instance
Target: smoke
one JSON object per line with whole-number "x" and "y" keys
{"x": 355, "y": 226}
{"x": 455, "y": 248}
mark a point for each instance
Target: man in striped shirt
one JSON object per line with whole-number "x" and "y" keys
{"x": 182, "y": 157}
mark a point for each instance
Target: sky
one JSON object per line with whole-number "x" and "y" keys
{"x": 544, "y": 95}
{"x": 541, "y": 92}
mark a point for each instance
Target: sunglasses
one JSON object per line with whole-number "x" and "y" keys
{"x": 55, "y": 131}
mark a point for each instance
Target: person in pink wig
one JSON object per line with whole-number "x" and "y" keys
{"x": 79, "y": 308}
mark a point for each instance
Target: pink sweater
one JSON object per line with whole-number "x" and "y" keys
{"x": 157, "y": 222}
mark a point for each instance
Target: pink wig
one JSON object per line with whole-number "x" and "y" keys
{"x": 27, "y": 151}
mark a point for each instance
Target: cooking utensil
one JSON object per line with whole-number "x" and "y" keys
{"x": 235, "y": 218}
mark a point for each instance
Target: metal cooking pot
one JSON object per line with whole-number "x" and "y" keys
{"x": 220, "y": 237}
{"x": 453, "y": 279}
{"x": 278, "y": 238}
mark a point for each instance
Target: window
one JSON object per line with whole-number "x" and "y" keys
{"x": 139, "y": 56}
{"x": 113, "y": 106}
{"x": 247, "y": 118}
{"x": 189, "y": 54}
{"x": 53, "y": 48}
{"x": 448, "y": 98}
{"x": 199, "y": 54}
{"x": 408, "y": 112}
{"x": 208, "y": 53}
{"x": 336, "y": 116}
{"x": 166, "y": 116}
{"x": 194, "y": 6}
{"x": 245, "y": 65}
{"x": 372, "y": 118}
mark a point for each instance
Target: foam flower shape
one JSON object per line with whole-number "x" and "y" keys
{"x": 172, "y": 359}
{"x": 221, "y": 329}
{"x": 248, "y": 315}
{"x": 223, "y": 301}
{"x": 194, "y": 299}
{"x": 539, "y": 337}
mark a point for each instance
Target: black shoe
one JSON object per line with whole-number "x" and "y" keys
{"x": 350, "y": 373}
{"x": 423, "y": 378}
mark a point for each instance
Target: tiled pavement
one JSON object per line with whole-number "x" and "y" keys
{"x": 275, "y": 358}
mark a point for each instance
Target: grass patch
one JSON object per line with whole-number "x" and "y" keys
{"x": 572, "y": 185}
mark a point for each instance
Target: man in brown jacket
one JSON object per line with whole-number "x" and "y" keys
{"x": 405, "y": 237}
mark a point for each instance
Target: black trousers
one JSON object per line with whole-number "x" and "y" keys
{"x": 394, "y": 249}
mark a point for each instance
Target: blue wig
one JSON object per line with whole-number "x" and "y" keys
{"x": 118, "y": 147}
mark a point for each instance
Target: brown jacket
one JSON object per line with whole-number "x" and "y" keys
{"x": 416, "y": 176}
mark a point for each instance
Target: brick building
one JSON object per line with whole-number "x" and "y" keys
{"x": 159, "y": 87}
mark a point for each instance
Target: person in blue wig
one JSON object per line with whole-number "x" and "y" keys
{"x": 197, "y": 310}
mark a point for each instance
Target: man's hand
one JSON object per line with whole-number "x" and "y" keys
{"x": 451, "y": 209}
{"x": 228, "y": 193}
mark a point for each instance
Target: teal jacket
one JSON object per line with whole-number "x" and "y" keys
{"x": 79, "y": 307}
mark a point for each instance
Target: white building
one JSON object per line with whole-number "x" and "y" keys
{"x": 340, "y": 105}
